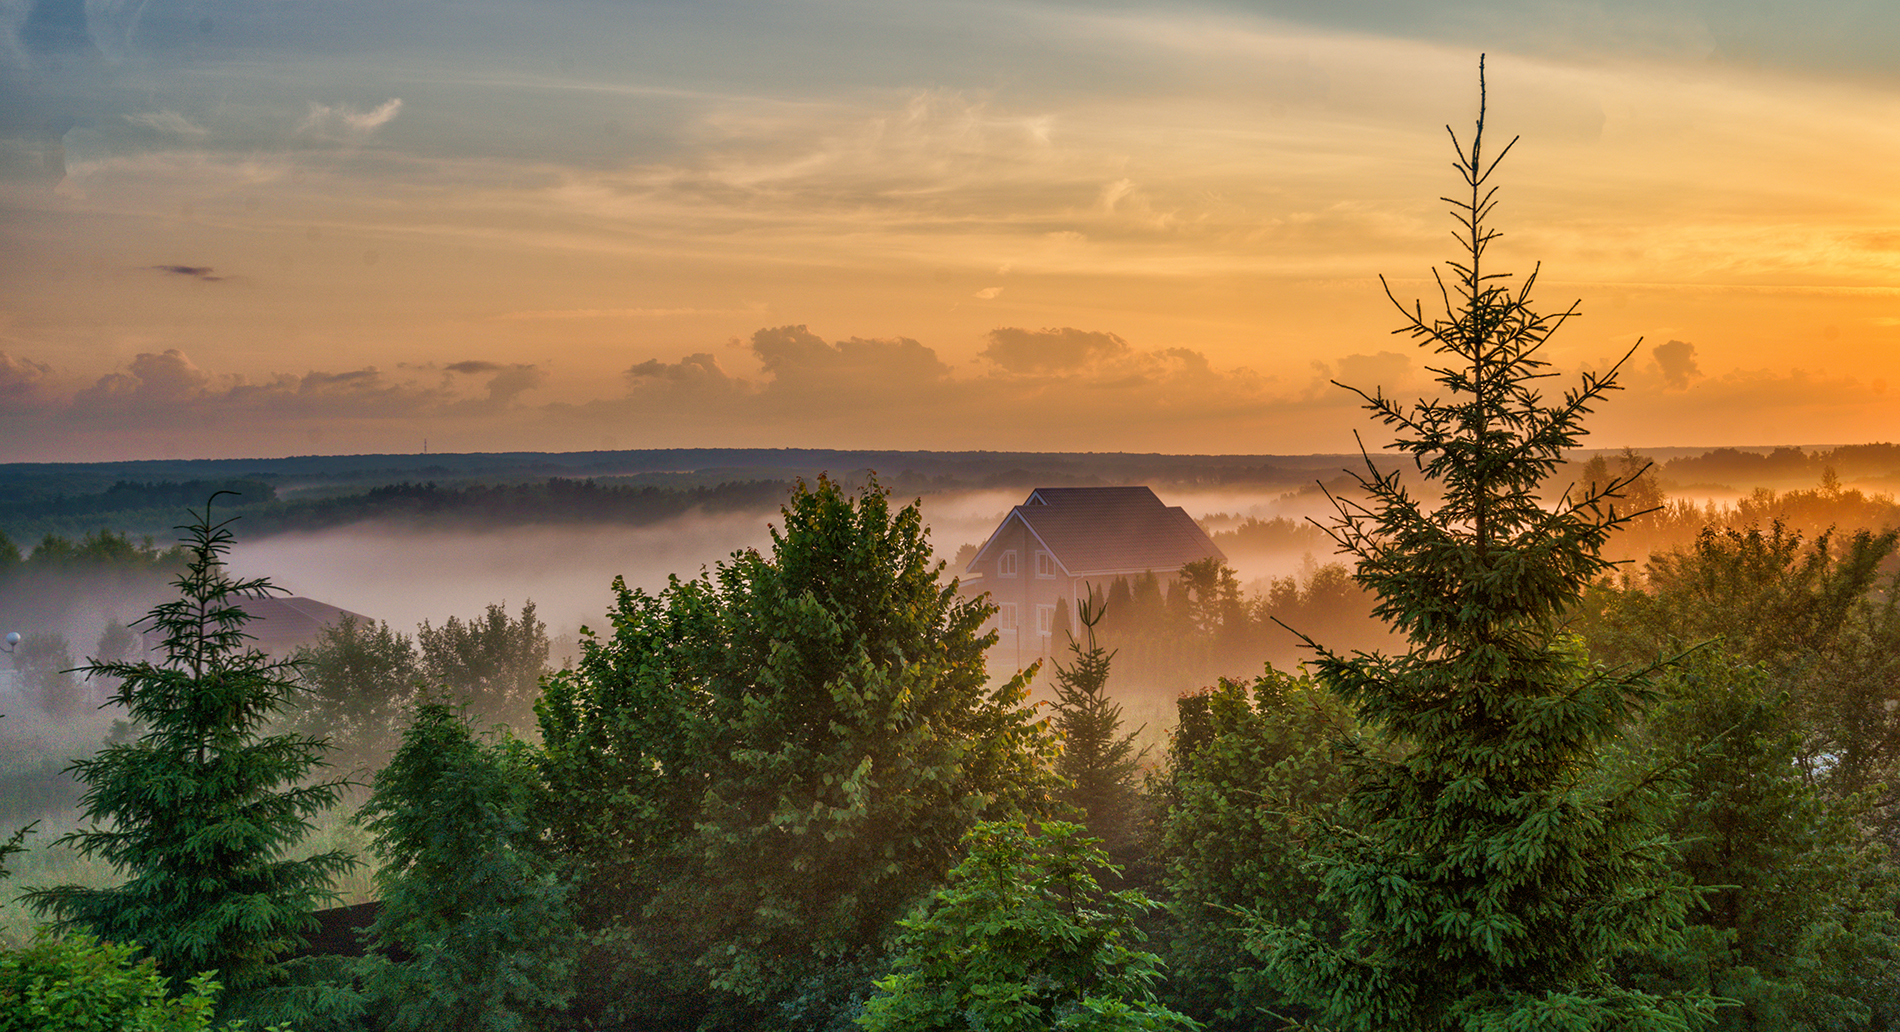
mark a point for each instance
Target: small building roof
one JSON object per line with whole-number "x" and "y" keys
{"x": 1099, "y": 531}
{"x": 283, "y": 622}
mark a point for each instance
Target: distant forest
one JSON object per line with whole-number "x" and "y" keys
{"x": 497, "y": 490}
{"x": 306, "y": 493}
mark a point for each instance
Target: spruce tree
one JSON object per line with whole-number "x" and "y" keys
{"x": 1488, "y": 874}
{"x": 198, "y": 812}
{"x": 1098, "y": 761}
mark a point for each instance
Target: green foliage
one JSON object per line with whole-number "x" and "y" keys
{"x": 1022, "y": 939}
{"x": 1487, "y": 878}
{"x": 1205, "y": 628}
{"x": 1782, "y": 600}
{"x": 1211, "y": 594}
{"x": 15, "y": 844}
{"x": 45, "y": 663}
{"x": 1250, "y": 767}
{"x": 79, "y": 984}
{"x": 468, "y": 894}
{"x": 1816, "y": 613}
{"x": 765, "y": 766}
{"x": 357, "y": 679}
{"x": 101, "y": 551}
{"x": 1798, "y": 918}
{"x": 199, "y": 811}
{"x": 1098, "y": 761}
{"x": 491, "y": 662}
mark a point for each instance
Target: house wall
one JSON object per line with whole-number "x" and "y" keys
{"x": 1034, "y": 597}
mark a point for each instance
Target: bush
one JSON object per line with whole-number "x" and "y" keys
{"x": 1023, "y": 939}
{"x": 79, "y": 984}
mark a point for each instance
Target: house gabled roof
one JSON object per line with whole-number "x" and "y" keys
{"x": 286, "y": 621}
{"x": 1094, "y": 531}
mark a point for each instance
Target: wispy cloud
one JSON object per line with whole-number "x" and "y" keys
{"x": 616, "y": 313}
{"x": 197, "y": 272}
{"x": 346, "y": 122}
{"x": 169, "y": 122}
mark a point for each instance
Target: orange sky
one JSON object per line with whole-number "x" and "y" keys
{"x": 236, "y": 229}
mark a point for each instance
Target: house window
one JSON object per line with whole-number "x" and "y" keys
{"x": 1006, "y": 564}
{"x": 1045, "y": 564}
{"x": 1045, "y": 619}
{"x": 1006, "y": 618}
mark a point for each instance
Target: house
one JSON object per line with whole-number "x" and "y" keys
{"x": 283, "y": 623}
{"x": 1051, "y": 549}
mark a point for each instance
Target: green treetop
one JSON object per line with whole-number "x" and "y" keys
{"x": 1487, "y": 875}
{"x": 766, "y": 766}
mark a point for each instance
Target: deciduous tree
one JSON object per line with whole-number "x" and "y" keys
{"x": 358, "y": 680}
{"x": 492, "y": 662}
{"x": 1251, "y": 765}
{"x": 471, "y": 903}
{"x": 1798, "y": 921}
{"x": 806, "y": 733}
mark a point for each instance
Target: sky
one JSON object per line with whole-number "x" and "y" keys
{"x": 236, "y": 228}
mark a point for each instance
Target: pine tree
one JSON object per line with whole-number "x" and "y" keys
{"x": 198, "y": 812}
{"x": 1488, "y": 876}
{"x": 1098, "y": 760}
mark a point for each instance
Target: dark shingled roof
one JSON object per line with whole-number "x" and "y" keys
{"x": 1108, "y": 530}
{"x": 282, "y": 622}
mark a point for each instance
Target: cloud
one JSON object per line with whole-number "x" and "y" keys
{"x": 511, "y": 382}
{"x": 1070, "y": 388}
{"x": 1027, "y": 351}
{"x": 167, "y": 389}
{"x": 1676, "y": 360}
{"x": 22, "y": 378}
{"x": 151, "y": 380}
{"x": 341, "y": 121}
{"x": 474, "y": 366}
{"x": 697, "y": 368}
{"x": 804, "y": 367}
{"x": 200, "y": 272}
{"x": 168, "y": 122}
{"x": 615, "y": 313}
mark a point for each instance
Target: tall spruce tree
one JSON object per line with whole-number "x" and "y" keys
{"x": 1488, "y": 874}
{"x": 199, "y": 812}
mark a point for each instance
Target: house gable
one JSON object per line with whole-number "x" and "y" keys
{"x": 1105, "y": 531}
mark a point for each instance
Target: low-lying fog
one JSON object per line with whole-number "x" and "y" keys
{"x": 406, "y": 575}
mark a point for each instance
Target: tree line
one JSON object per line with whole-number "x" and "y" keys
{"x": 152, "y": 507}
